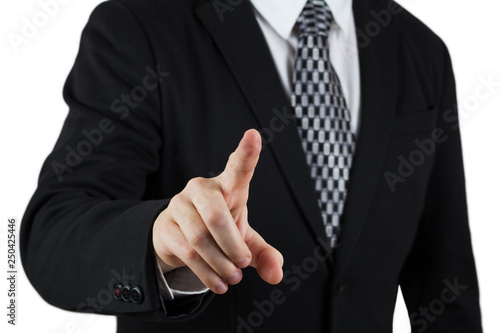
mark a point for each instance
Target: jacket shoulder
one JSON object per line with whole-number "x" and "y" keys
{"x": 415, "y": 30}
{"x": 145, "y": 9}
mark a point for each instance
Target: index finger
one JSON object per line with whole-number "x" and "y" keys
{"x": 241, "y": 163}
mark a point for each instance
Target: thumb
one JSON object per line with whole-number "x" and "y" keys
{"x": 241, "y": 163}
{"x": 266, "y": 259}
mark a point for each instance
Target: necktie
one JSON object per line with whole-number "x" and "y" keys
{"x": 323, "y": 120}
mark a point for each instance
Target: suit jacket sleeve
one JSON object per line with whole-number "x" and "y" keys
{"x": 88, "y": 225}
{"x": 439, "y": 281}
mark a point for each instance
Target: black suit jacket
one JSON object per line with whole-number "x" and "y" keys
{"x": 163, "y": 90}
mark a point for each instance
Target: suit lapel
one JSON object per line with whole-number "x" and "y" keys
{"x": 245, "y": 50}
{"x": 378, "y": 70}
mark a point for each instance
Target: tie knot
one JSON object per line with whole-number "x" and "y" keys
{"x": 315, "y": 19}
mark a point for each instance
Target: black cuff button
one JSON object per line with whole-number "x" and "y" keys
{"x": 117, "y": 291}
{"x": 136, "y": 295}
{"x": 126, "y": 293}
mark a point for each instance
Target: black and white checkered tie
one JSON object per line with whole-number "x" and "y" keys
{"x": 323, "y": 119}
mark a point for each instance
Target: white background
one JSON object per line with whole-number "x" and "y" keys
{"x": 33, "y": 111}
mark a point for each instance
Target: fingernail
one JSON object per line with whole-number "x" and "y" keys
{"x": 221, "y": 288}
{"x": 235, "y": 278}
{"x": 244, "y": 263}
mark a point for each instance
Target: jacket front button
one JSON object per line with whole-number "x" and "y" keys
{"x": 136, "y": 295}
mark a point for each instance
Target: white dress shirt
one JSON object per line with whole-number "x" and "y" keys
{"x": 277, "y": 20}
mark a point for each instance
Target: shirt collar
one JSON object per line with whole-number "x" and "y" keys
{"x": 282, "y": 15}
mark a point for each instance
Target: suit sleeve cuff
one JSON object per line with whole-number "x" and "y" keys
{"x": 178, "y": 283}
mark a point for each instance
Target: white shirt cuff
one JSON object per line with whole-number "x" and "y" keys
{"x": 179, "y": 282}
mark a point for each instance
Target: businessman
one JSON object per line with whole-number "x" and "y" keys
{"x": 256, "y": 166}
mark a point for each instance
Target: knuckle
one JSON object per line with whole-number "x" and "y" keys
{"x": 215, "y": 218}
{"x": 190, "y": 254}
{"x": 177, "y": 243}
{"x": 200, "y": 239}
{"x": 192, "y": 220}
{"x": 196, "y": 182}
{"x": 231, "y": 159}
{"x": 161, "y": 224}
{"x": 213, "y": 191}
{"x": 206, "y": 194}
{"x": 160, "y": 232}
{"x": 164, "y": 251}
{"x": 170, "y": 258}
{"x": 200, "y": 201}
{"x": 176, "y": 200}
{"x": 160, "y": 247}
